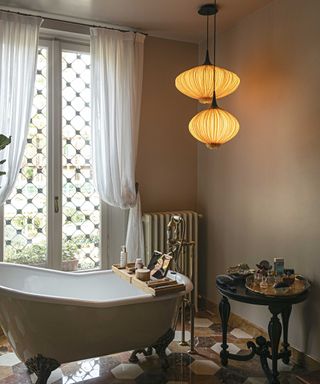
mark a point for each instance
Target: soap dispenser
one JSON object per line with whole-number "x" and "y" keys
{"x": 123, "y": 257}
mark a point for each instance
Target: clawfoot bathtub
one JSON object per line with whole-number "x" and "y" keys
{"x": 52, "y": 317}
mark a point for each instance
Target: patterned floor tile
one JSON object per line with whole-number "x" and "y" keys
{"x": 180, "y": 359}
{"x": 178, "y": 336}
{"x": 202, "y": 322}
{"x": 204, "y": 332}
{"x": 256, "y": 380}
{"x": 282, "y": 367}
{"x": 204, "y": 367}
{"x": 230, "y": 376}
{"x": 179, "y": 373}
{"x": 240, "y": 334}
{"x": 5, "y": 372}
{"x": 206, "y": 353}
{"x": 205, "y": 379}
{"x": 9, "y": 360}
{"x": 3, "y": 350}
{"x": 154, "y": 377}
{"x": 177, "y": 382}
{"x": 5, "y": 347}
{"x": 176, "y": 347}
{"x": 202, "y": 341}
{"x": 126, "y": 371}
{"x": 16, "y": 379}
{"x": 216, "y": 328}
{"x": 19, "y": 369}
{"x": 70, "y": 368}
{"x": 201, "y": 368}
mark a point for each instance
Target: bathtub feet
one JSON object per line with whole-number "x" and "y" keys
{"x": 134, "y": 359}
{"x": 159, "y": 346}
{"x": 42, "y": 367}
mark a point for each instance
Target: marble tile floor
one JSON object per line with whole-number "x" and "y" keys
{"x": 201, "y": 368}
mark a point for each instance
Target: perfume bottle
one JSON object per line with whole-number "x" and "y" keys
{"x": 264, "y": 283}
{"x": 270, "y": 278}
{"x": 123, "y": 257}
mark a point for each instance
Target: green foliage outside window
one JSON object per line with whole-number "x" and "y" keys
{"x": 4, "y": 141}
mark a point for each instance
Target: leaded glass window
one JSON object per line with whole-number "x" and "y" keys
{"x": 53, "y": 215}
{"x": 81, "y": 205}
{"x": 25, "y": 212}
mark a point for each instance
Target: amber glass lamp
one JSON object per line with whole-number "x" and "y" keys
{"x": 214, "y": 126}
{"x": 197, "y": 82}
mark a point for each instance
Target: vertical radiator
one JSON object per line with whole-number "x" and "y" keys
{"x": 155, "y": 238}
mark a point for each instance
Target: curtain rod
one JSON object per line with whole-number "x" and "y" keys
{"x": 71, "y": 22}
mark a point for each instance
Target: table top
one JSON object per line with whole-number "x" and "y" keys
{"x": 242, "y": 294}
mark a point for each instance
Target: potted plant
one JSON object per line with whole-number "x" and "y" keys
{"x": 4, "y": 141}
{"x": 69, "y": 259}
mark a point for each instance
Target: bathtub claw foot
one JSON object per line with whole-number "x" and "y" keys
{"x": 134, "y": 359}
{"x": 161, "y": 345}
{"x": 42, "y": 367}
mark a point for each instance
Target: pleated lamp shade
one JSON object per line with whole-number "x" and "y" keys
{"x": 197, "y": 83}
{"x": 214, "y": 126}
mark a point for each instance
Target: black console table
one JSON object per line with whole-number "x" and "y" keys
{"x": 265, "y": 349}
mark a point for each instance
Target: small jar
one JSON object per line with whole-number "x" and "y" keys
{"x": 138, "y": 263}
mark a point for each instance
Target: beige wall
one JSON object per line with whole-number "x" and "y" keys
{"x": 260, "y": 193}
{"x": 167, "y": 155}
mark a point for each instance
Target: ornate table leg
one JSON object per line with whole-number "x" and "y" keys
{"x": 285, "y": 314}
{"x": 42, "y": 367}
{"x": 224, "y": 310}
{"x": 274, "y": 330}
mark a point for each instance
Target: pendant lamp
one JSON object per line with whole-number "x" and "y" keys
{"x": 197, "y": 82}
{"x": 214, "y": 126}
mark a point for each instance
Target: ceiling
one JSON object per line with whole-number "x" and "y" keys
{"x": 171, "y": 19}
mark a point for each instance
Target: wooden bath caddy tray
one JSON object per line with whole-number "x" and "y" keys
{"x": 155, "y": 287}
{"x": 123, "y": 272}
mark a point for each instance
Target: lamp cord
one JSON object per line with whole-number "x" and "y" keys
{"x": 214, "y": 100}
{"x": 207, "y": 59}
{"x": 207, "y": 32}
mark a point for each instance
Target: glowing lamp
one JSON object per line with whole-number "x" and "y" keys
{"x": 197, "y": 82}
{"x": 214, "y": 126}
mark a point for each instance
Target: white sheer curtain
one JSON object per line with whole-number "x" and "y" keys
{"x": 18, "y": 58}
{"x": 116, "y": 78}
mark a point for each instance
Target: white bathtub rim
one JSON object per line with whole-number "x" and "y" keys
{"x": 45, "y": 298}
{"x": 86, "y": 303}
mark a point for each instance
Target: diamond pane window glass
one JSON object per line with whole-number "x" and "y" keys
{"x": 25, "y": 212}
{"x": 80, "y": 201}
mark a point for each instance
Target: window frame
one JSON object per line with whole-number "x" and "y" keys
{"x": 56, "y": 42}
